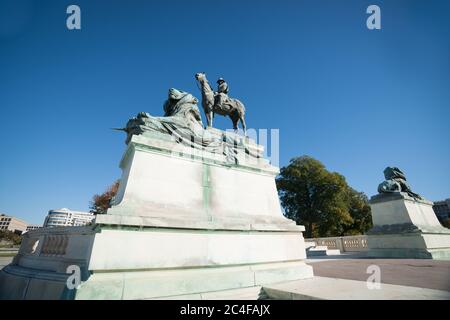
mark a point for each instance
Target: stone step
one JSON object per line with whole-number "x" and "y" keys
{"x": 249, "y": 293}
{"x": 318, "y": 248}
{"x": 323, "y": 288}
{"x": 309, "y": 244}
{"x": 322, "y": 251}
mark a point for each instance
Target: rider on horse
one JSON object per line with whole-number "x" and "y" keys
{"x": 221, "y": 98}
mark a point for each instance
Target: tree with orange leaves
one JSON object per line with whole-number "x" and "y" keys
{"x": 101, "y": 202}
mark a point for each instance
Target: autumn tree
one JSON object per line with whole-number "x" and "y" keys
{"x": 101, "y": 202}
{"x": 321, "y": 200}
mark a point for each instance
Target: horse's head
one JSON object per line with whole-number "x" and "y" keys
{"x": 175, "y": 94}
{"x": 205, "y": 87}
{"x": 200, "y": 76}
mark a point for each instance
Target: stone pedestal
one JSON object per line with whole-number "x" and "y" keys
{"x": 184, "y": 221}
{"x": 405, "y": 227}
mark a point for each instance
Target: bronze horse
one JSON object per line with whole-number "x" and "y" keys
{"x": 235, "y": 110}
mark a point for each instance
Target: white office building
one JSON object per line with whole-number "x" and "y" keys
{"x": 442, "y": 209}
{"x": 65, "y": 217}
{"x": 13, "y": 224}
{"x": 33, "y": 227}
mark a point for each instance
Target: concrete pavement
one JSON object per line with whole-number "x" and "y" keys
{"x": 322, "y": 288}
{"x": 5, "y": 261}
{"x": 422, "y": 273}
{"x": 344, "y": 277}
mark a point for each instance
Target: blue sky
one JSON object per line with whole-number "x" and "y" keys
{"x": 357, "y": 100}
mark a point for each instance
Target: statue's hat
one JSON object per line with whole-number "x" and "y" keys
{"x": 220, "y": 80}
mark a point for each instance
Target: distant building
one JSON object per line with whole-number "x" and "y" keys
{"x": 12, "y": 224}
{"x": 65, "y": 217}
{"x": 33, "y": 227}
{"x": 442, "y": 209}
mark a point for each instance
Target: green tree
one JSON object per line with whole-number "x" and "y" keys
{"x": 101, "y": 202}
{"x": 10, "y": 237}
{"x": 321, "y": 200}
{"x": 359, "y": 208}
{"x": 446, "y": 223}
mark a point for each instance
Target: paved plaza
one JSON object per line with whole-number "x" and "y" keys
{"x": 4, "y": 261}
{"x": 403, "y": 279}
{"x": 423, "y": 273}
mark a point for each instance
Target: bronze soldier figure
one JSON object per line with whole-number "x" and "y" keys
{"x": 222, "y": 95}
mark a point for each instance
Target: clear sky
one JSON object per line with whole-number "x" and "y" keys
{"x": 357, "y": 100}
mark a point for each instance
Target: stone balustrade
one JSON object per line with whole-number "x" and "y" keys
{"x": 344, "y": 244}
{"x": 54, "y": 245}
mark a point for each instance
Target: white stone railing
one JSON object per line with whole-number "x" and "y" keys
{"x": 344, "y": 244}
{"x": 54, "y": 245}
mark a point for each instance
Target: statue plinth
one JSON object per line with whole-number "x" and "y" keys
{"x": 164, "y": 182}
{"x": 406, "y": 227}
{"x": 186, "y": 219}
